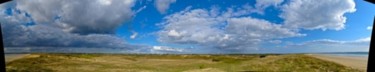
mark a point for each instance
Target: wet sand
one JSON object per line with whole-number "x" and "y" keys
{"x": 11, "y": 57}
{"x": 354, "y": 62}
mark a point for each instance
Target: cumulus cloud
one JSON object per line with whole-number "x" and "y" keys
{"x": 68, "y": 23}
{"x": 255, "y": 28}
{"x": 233, "y": 30}
{"x": 79, "y": 16}
{"x": 314, "y": 14}
{"x": 16, "y": 34}
{"x": 163, "y": 5}
{"x": 219, "y": 30}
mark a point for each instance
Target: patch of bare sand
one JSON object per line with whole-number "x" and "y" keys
{"x": 12, "y": 57}
{"x": 32, "y": 56}
{"x": 205, "y": 70}
{"x": 354, "y": 62}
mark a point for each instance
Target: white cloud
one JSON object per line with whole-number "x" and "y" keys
{"x": 140, "y": 9}
{"x": 188, "y": 27}
{"x": 258, "y": 28}
{"x": 263, "y": 4}
{"x": 80, "y": 16}
{"x": 332, "y": 42}
{"x": 128, "y": 2}
{"x": 329, "y": 45}
{"x": 275, "y": 41}
{"x": 219, "y": 30}
{"x": 87, "y": 23}
{"x": 316, "y": 14}
{"x": 230, "y": 30}
{"x": 266, "y": 3}
{"x": 165, "y": 49}
{"x": 367, "y": 39}
{"x": 95, "y": 21}
{"x": 134, "y": 35}
{"x": 18, "y": 35}
{"x": 173, "y": 33}
{"x": 369, "y": 28}
{"x": 105, "y": 2}
{"x": 163, "y": 5}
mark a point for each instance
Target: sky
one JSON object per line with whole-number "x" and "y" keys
{"x": 187, "y": 26}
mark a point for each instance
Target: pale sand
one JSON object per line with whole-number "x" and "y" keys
{"x": 11, "y": 57}
{"x": 354, "y": 62}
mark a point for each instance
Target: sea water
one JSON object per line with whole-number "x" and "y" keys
{"x": 350, "y": 54}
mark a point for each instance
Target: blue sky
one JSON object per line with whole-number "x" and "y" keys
{"x": 189, "y": 26}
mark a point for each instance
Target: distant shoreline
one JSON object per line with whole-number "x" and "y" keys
{"x": 357, "y": 62}
{"x": 11, "y": 57}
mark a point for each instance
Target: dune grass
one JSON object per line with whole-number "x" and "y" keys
{"x": 171, "y": 63}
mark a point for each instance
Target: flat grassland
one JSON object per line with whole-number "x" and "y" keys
{"x": 172, "y": 63}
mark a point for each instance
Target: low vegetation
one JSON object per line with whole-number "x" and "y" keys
{"x": 171, "y": 63}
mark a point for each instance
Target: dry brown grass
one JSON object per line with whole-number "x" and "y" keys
{"x": 170, "y": 63}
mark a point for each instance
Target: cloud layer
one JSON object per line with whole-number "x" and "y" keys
{"x": 233, "y": 30}
{"x": 312, "y": 14}
{"x": 218, "y": 30}
{"x": 68, "y": 23}
{"x": 91, "y": 24}
{"x": 163, "y": 5}
{"x": 79, "y": 16}
{"x": 329, "y": 45}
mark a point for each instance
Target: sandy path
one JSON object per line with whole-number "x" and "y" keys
{"x": 11, "y": 57}
{"x": 354, "y": 62}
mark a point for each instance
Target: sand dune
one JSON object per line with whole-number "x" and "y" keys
{"x": 354, "y": 62}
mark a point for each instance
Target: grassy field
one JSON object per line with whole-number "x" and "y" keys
{"x": 171, "y": 63}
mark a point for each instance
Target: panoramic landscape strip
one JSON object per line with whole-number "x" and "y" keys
{"x": 62, "y": 62}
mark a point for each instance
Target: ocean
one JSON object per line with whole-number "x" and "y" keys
{"x": 350, "y": 54}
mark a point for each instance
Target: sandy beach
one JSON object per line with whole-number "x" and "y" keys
{"x": 354, "y": 62}
{"x": 11, "y": 57}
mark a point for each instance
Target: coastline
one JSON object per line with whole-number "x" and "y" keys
{"x": 356, "y": 62}
{"x": 11, "y": 57}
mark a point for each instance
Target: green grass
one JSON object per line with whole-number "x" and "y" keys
{"x": 171, "y": 63}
